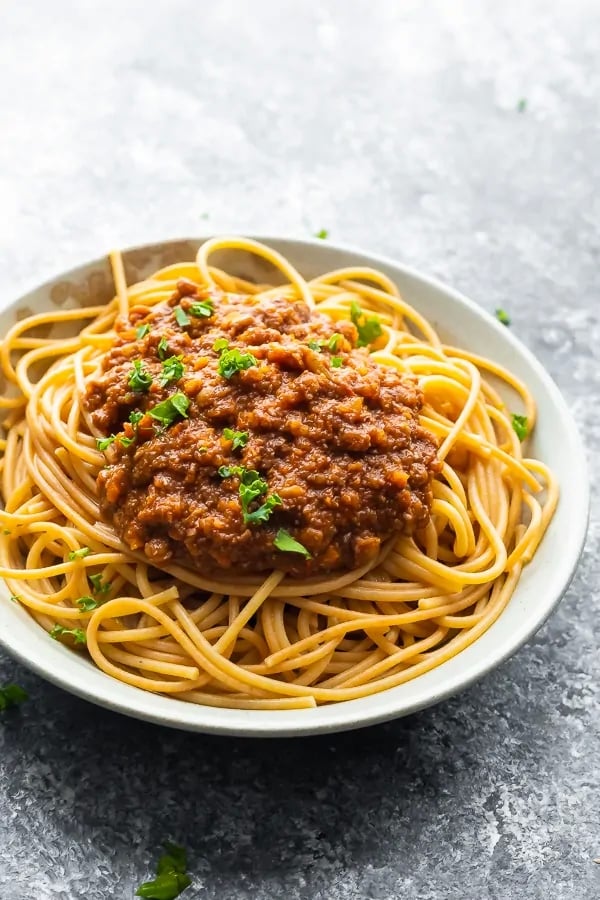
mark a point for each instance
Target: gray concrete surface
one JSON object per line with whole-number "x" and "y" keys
{"x": 396, "y": 126}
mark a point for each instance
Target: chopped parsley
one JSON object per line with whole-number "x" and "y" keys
{"x": 519, "y": 424}
{"x": 170, "y": 410}
{"x": 140, "y": 378}
{"x": 142, "y": 331}
{"x": 502, "y": 316}
{"x": 104, "y": 443}
{"x": 136, "y": 417}
{"x": 251, "y": 487}
{"x": 287, "y": 544}
{"x": 368, "y": 327}
{"x": 232, "y": 360}
{"x": 522, "y": 105}
{"x": 202, "y": 309}
{"x": 162, "y": 348}
{"x": 15, "y": 598}
{"x": 171, "y": 876}
{"x": 87, "y": 603}
{"x": 336, "y": 361}
{"x": 11, "y": 695}
{"x": 181, "y": 316}
{"x": 323, "y": 234}
{"x": 78, "y": 634}
{"x": 99, "y": 586}
{"x": 263, "y": 513}
{"x": 79, "y": 554}
{"x": 238, "y": 438}
{"x": 172, "y": 370}
{"x": 331, "y": 343}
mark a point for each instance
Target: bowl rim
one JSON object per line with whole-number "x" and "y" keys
{"x": 342, "y": 716}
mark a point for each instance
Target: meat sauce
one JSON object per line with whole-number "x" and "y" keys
{"x": 335, "y": 436}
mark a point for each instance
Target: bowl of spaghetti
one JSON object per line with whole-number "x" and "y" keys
{"x": 275, "y": 487}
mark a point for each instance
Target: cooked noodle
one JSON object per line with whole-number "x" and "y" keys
{"x": 276, "y": 642}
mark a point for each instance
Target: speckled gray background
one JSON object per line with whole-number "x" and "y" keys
{"x": 394, "y": 125}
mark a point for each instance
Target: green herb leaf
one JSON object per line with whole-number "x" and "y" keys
{"x": 15, "y": 598}
{"x": 232, "y": 361}
{"x": 502, "y": 316}
{"x": 263, "y": 513}
{"x": 220, "y": 344}
{"x": 136, "y": 417}
{"x": 334, "y": 342}
{"x": 522, "y": 105}
{"x": 87, "y": 604}
{"x": 171, "y": 878}
{"x": 169, "y": 410}
{"x": 519, "y": 424}
{"x": 142, "y": 331}
{"x": 77, "y": 633}
{"x": 140, "y": 378}
{"x": 323, "y": 234}
{"x": 162, "y": 348}
{"x": 315, "y": 345}
{"x": 172, "y": 370}
{"x": 202, "y": 309}
{"x": 368, "y": 327}
{"x": 11, "y": 695}
{"x": 104, "y": 443}
{"x": 287, "y": 544}
{"x": 238, "y": 438}
{"x": 181, "y": 316}
{"x": 99, "y": 586}
{"x": 79, "y": 554}
{"x": 126, "y": 441}
{"x": 336, "y": 361}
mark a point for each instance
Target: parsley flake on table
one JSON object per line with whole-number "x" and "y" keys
{"x": 171, "y": 876}
{"x": 11, "y": 695}
{"x": 368, "y": 327}
{"x": 287, "y": 544}
{"x": 502, "y": 316}
{"x": 322, "y": 234}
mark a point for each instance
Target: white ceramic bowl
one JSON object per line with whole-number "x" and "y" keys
{"x": 540, "y": 588}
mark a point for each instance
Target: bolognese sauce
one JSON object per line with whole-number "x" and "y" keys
{"x": 252, "y": 433}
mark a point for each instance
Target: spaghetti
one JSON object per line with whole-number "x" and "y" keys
{"x": 272, "y": 642}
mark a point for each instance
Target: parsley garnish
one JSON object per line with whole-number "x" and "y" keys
{"x": 99, "y": 586}
{"x": 251, "y": 487}
{"x": 323, "y": 234}
{"x": 232, "y": 361}
{"x": 237, "y": 438}
{"x": 172, "y": 370}
{"x": 126, "y": 441}
{"x": 162, "y": 348}
{"x": 104, "y": 443}
{"x": 171, "y": 877}
{"x": 181, "y": 316}
{"x": 87, "y": 603}
{"x": 15, "y": 598}
{"x": 77, "y": 633}
{"x": 522, "y": 105}
{"x": 140, "y": 379}
{"x": 142, "y": 331}
{"x": 11, "y": 695}
{"x": 263, "y": 513}
{"x": 519, "y": 424}
{"x": 368, "y": 327}
{"x": 502, "y": 316}
{"x": 136, "y": 417}
{"x": 202, "y": 309}
{"x": 287, "y": 544}
{"x": 336, "y": 361}
{"x": 169, "y": 410}
{"x": 79, "y": 554}
{"x": 315, "y": 345}
{"x": 331, "y": 344}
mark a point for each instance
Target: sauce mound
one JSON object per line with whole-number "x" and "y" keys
{"x": 278, "y": 425}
